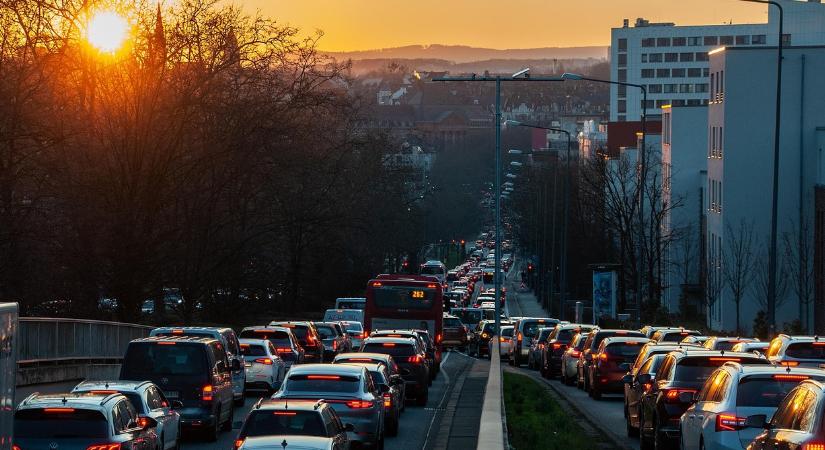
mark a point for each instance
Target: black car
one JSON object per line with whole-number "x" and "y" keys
{"x": 411, "y": 359}
{"x": 594, "y": 339}
{"x": 557, "y": 344}
{"x": 308, "y": 337}
{"x": 193, "y": 370}
{"x": 634, "y": 390}
{"x": 681, "y": 375}
{"x": 480, "y": 338}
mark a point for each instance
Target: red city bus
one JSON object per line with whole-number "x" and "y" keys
{"x": 397, "y": 302}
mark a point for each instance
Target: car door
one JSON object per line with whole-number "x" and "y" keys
{"x": 222, "y": 376}
{"x": 695, "y": 415}
{"x": 168, "y": 419}
{"x": 127, "y": 426}
{"x": 633, "y": 391}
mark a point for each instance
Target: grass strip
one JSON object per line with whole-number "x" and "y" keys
{"x": 536, "y": 421}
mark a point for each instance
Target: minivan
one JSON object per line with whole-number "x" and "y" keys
{"x": 193, "y": 370}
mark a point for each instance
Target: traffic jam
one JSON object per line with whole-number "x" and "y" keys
{"x": 344, "y": 382}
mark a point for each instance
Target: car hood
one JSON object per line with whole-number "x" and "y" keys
{"x": 294, "y": 442}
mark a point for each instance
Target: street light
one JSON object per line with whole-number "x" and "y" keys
{"x": 563, "y": 274}
{"x": 513, "y": 151}
{"x": 511, "y": 175}
{"x": 775, "y": 200}
{"x": 516, "y": 164}
{"x": 642, "y": 176}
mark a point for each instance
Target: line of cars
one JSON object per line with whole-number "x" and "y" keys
{"x": 685, "y": 390}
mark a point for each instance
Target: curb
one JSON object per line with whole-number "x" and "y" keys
{"x": 493, "y": 427}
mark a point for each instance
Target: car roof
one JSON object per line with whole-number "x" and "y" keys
{"x": 370, "y": 355}
{"x": 400, "y": 332}
{"x": 293, "y": 405}
{"x": 712, "y": 353}
{"x": 262, "y": 342}
{"x": 266, "y": 327}
{"x": 370, "y": 366}
{"x": 771, "y": 369}
{"x": 289, "y": 323}
{"x": 387, "y": 339}
{"x": 112, "y": 385}
{"x": 213, "y": 329}
{"x": 78, "y": 400}
{"x": 181, "y": 339}
{"x": 619, "y": 339}
{"x": 330, "y": 369}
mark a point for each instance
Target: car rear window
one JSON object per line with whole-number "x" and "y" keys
{"x": 626, "y": 350}
{"x": 275, "y": 336}
{"x": 253, "y": 350}
{"x": 544, "y": 333}
{"x": 602, "y": 335}
{"x": 452, "y": 322}
{"x": 698, "y": 369}
{"x": 677, "y": 336}
{"x": 378, "y": 377}
{"x": 300, "y": 331}
{"x": 326, "y": 331}
{"x": 321, "y": 383}
{"x": 806, "y": 350}
{"x": 766, "y": 390}
{"x": 725, "y": 345}
{"x": 354, "y": 326}
{"x": 67, "y": 424}
{"x": 290, "y": 422}
{"x": 393, "y": 350}
{"x": 507, "y": 332}
{"x": 145, "y": 359}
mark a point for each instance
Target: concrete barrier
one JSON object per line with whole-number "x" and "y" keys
{"x": 55, "y": 349}
{"x": 493, "y": 432}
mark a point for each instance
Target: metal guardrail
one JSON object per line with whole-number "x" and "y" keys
{"x": 52, "y": 340}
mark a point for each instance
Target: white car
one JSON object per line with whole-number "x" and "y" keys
{"x": 356, "y": 333}
{"x": 505, "y": 340}
{"x": 149, "y": 401}
{"x": 570, "y": 358}
{"x": 265, "y": 370}
{"x": 732, "y": 393}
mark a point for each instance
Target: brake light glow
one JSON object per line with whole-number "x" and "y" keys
{"x": 15, "y": 447}
{"x": 519, "y": 337}
{"x": 621, "y": 332}
{"x": 729, "y": 422}
{"x": 388, "y": 344}
{"x": 438, "y": 338}
{"x": 264, "y": 361}
{"x": 323, "y": 377}
{"x": 177, "y": 331}
{"x": 790, "y": 378}
{"x": 672, "y": 396}
{"x": 415, "y": 359}
{"x": 790, "y": 363}
{"x": 283, "y": 350}
{"x": 244, "y": 345}
{"x": 387, "y": 401}
{"x": 376, "y": 284}
{"x": 818, "y": 344}
{"x": 104, "y": 447}
{"x": 359, "y": 404}
{"x": 334, "y": 345}
{"x": 207, "y": 393}
{"x": 360, "y": 359}
{"x": 103, "y": 392}
{"x": 501, "y": 339}
{"x": 603, "y": 356}
{"x": 166, "y": 343}
{"x": 575, "y": 353}
{"x": 285, "y": 413}
{"x": 142, "y": 422}
{"x": 813, "y": 446}
{"x": 238, "y": 443}
{"x": 726, "y": 359}
{"x": 392, "y": 335}
{"x": 58, "y": 410}
{"x": 432, "y": 286}
{"x": 484, "y": 335}
{"x": 556, "y": 346}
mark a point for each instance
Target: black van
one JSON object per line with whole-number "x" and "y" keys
{"x": 193, "y": 370}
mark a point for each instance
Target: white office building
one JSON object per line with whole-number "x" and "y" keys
{"x": 740, "y": 152}
{"x": 672, "y": 61}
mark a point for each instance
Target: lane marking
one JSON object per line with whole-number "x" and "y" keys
{"x": 440, "y": 405}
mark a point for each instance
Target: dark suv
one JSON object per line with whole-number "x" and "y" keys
{"x": 613, "y": 359}
{"x": 681, "y": 375}
{"x": 591, "y": 345}
{"x": 192, "y": 370}
{"x": 557, "y": 344}
{"x": 411, "y": 359}
{"x": 308, "y": 337}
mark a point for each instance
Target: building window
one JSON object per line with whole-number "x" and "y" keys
{"x": 678, "y": 103}
{"x": 622, "y": 44}
{"x": 701, "y": 87}
{"x": 621, "y": 117}
{"x": 622, "y": 90}
{"x": 705, "y": 72}
{"x": 694, "y": 72}
{"x": 695, "y": 41}
{"x": 711, "y": 40}
{"x": 647, "y": 73}
{"x": 644, "y": 57}
{"x": 622, "y": 59}
{"x": 743, "y": 40}
{"x": 786, "y": 40}
{"x": 702, "y": 56}
{"x": 646, "y": 105}
{"x": 649, "y": 42}
{"x": 726, "y": 40}
{"x": 621, "y": 106}
{"x": 622, "y": 74}
{"x": 712, "y": 86}
{"x": 660, "y": 103}
{"x": 686, "y": 57}
{"x": 677, "y": 73}
{"x": 670, "y": 88}
{"x": 662, "y": 73}
{"x": 759, "y": 39}
{"x": 679, "y": 41}
{"x": 654, "y": 58}
{"x": 671, "y": 57}
{"x": 654, "y": 88}
{"x": 663, "y": 42}
{"x": 694, "y": 102}
{"x": 685, "y": 88}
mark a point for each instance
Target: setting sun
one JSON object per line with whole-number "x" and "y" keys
{"x": 107, "y": 31}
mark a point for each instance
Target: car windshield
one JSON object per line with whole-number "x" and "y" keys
{"x": 321, "y": 383}
{"x": 290, "y": 422}
{"x": 253, "y": 350}
{"x": 766, "y": 390}
{"x": 326, "y": 331}
{"x": 806, "y": 350}
{"x": 389, "y": 348}
{"x": 452, "y": 322}
{"x": 676, "y": 337}
{"x": 55, "y": 424}
{"x": 144, "y": 359}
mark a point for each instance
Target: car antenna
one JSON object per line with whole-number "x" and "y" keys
{"x": 106, "y": 385}
{"x": 788, "y": 368}
{"x": 64, "y": 400}
{"x": 284, "y": 443}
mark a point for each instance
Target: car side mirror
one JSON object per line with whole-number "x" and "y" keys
{"x": 236, "y": 365}
{"x": 696, "y": 396}
{"x": 349, "y": 427}
{"x": 644, "y": 378}
{"x": 177, "y": 404}
{"x": 687, "y": 397}
{"x": 627, "y": 379}
{"x": 146, "y": 422}
{"x": 757, "y": 421}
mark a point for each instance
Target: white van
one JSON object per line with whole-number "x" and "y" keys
{"x": 344, "y": 315}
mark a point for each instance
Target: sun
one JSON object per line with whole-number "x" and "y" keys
{"x": 107, "y": 31}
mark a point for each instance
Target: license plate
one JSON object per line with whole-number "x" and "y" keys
{"x": 172, "y": 394}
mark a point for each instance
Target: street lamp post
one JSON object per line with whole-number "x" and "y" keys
{"x": 642, "y": 178}
{"x": 566, "y": 208}
{"x": 775, "y": 200}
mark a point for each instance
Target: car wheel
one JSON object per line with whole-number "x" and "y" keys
{"x": 213, "y": 431}
{"x": 227, "y": 426}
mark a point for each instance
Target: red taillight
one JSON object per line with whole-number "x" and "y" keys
{"x": 789, "y": 363}
{"x": 104, "y": 447}
{"x": 387, "y": 401}
{"x": 14, "y": 447}
{"x": 725, "y": 359}
{"x": 334, "y": 345}
{"x": 142, "y": 422}
{"x": 415, "y": 359}
{"x": 519, "y": 337}
{"x": 359, "y": 404}
{"x": 603, "y": 356}
{"x": 790, "y": 378}
{"x": 323, "y": 377}
{"x": 58, "y": 410}
{"x": 438, "y": 338}
{"x": 238, "y": 443}
{"x": 575, "y": 353}
{"x": 501, "y": 339}
{"x": 813, "y": 446}
{"x": 207, "y": 393}
{"x": 376, "y": 284}
{"x": 729, "y": 422}
{"x": 556, "y": 346}
{"x": 264, "y": 361}
{"x": 672, "y": 395}
{"x": 283, "y": 350}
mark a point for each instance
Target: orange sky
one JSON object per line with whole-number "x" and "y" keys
{"x": 370, "y": 24}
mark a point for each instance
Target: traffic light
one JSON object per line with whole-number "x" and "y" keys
{"x": 463, "y": 242}
{"x": 530, "y": 267}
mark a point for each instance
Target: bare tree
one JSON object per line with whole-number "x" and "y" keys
{"x": 739, "y": 262}
{"x": 761, "y": 285}
{"x": 799, "y": 255}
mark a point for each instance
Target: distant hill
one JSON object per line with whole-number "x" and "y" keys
{"x": 465, "y": 54}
